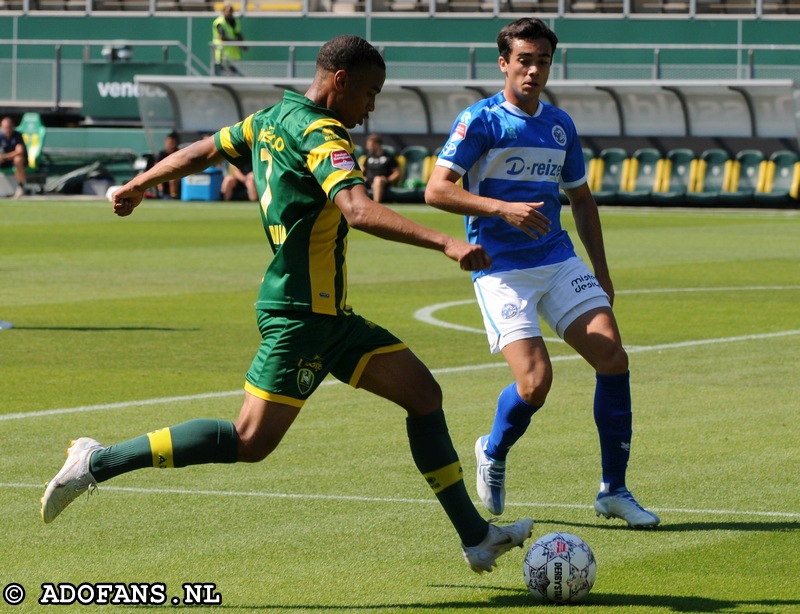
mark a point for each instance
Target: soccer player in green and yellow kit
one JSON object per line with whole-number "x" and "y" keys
{"x": 311, "y": 191}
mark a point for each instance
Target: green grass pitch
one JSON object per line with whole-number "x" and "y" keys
{"x": 122, "y": 326}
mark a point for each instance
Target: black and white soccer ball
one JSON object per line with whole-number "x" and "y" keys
{"x": 559, "y": 568}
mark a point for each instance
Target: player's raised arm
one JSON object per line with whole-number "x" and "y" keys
{"x": 192, "y": 159}
{"x": 362, "y": 213}
{"x": 444, "y": 193}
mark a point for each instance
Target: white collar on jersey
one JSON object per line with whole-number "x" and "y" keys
{"x": 517, "y": 111}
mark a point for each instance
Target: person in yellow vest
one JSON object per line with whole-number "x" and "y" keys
{"x": 227, "y": 28}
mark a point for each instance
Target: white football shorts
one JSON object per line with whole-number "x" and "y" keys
{"x": 513, "y": 301}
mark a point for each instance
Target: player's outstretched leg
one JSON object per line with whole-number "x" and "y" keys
{"x": 194, "y": 442}
{"x": 498, "y": 541}
{"x": 72, "y": 480}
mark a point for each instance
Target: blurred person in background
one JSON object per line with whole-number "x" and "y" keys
{"x": 14, "y": 153}
{"x": 227, "y": 28}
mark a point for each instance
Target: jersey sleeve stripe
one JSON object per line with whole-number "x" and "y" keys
{"x": 451, "y": 165}
{"x": 247, "y": 130}
{"x": 329, "y": 122}
{"x": 335, "y": 178}
{"x": 226, "y": 144}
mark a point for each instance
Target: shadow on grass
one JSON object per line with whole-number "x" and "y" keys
{"x": 677, "y": 527}
{"x": 520, "y": 600}
{"x": 104, "y": 329}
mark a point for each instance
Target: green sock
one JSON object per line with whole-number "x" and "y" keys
{"x": 195, "y": 442}
{"x": 437, "y": 460}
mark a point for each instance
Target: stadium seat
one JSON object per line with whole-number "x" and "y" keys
{"x": 430, "y": 162}
{"x": 748, "y": 173}
{"x": 712, "y": 174}
{"x": 674, "y": 176}
{"x": 781, "y": 187}
{"x": 609, "y": 172}
{"x": 411, "y": 187}
{"x": 415, "y": 156}
{"x": 641, "y": 175}
{"x": 401, "y": 163}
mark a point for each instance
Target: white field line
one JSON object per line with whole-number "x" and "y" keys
{"x": 445, "y": 370}
{"x": 164, "y": 400}
{"x": 392, "y": 500}
{"x": 425, "y": 314}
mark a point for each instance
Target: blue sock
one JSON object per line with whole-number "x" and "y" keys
{"x": 511, "y": 420}
{"x": 614, "y": 420}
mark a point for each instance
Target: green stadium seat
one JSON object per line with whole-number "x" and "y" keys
{"x": 675, "y": 175}
{"x": 748, "y": 174}
{"x": 414, "y": 175}
{"x": 713, "y": 172}
{"x": 781, "y": 187}
{"x": 642, "y": 174}
{"x": 413, "y": 166}
{"x": 609, "y": 173}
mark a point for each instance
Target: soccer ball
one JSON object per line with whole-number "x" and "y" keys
{"x": 559, "y": 568}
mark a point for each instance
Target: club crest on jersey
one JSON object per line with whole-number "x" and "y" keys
{"x": 559, "y": 136}
{"x": 306, "y": 373}
{"x": 305, "y": 380}
{"x": 509, "y": 310}
{"x": 342, "y": 159}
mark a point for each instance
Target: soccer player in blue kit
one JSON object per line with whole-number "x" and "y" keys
{"x": 513, "y": 152}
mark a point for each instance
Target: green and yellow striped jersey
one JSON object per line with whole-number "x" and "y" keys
{"x": 302, "y": 155}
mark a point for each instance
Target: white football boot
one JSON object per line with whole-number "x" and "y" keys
{"x": 72, "y": 481}
{"x": 622, "y": 504}
{"x": 498, "y": 541}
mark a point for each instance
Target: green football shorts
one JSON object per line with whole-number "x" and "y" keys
{"x": 298, "y": 349}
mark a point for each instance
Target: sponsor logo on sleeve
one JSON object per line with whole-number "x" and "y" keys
{"x": 449, "y": 149}
{"x": 342, "y": 159}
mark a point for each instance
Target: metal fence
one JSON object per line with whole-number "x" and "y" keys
{"x": 54, "y": 78}
{"x": 755, "y": 8}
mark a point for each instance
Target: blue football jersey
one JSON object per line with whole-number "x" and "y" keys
{"x": 502, "y": 152}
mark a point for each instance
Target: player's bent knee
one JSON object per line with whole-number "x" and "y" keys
{"x": 252, "y": 452}
{"x": 426, "y": 398}
{"x": 534, "y": 389}
{"x": 613, "y": 362}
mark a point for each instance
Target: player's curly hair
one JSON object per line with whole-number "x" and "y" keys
{"x": 348, "y": 52}
{"x": 527, "y": 29}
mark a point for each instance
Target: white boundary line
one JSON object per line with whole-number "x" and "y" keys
{"x": 363, "y": 499}
{"x": 445, "y": 370}
{"x": 425, "y": 314}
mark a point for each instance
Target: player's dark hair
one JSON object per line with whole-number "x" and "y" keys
{"x": 527, "y": 29}
{"x": 348, "y": 52}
